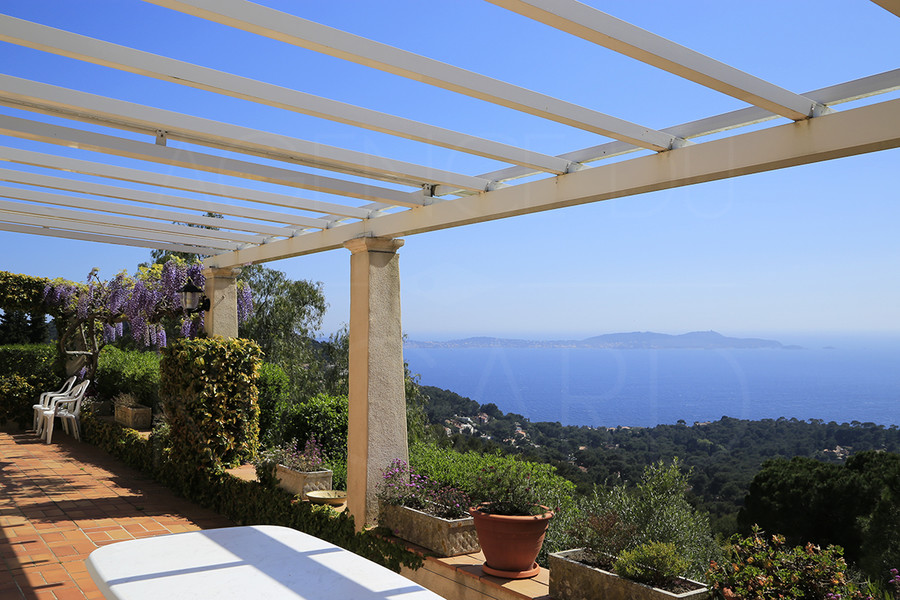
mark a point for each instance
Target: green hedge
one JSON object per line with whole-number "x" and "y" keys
{"x": 22, "y": 292}
{"x": 209, "y": 397}
{"x": 323, "y": 417}
{"x": 25, "y": 372}
{"x": 245, "y": 502}
{"x": 274, "y": 389}
{"x": 129, "y": 371}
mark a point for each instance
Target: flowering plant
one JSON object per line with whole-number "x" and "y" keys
{"x": 401, "y": 485}
{"x": 766, "y": 568}
{"x": 508, "y": 491}
{"x": 310, "y": 459}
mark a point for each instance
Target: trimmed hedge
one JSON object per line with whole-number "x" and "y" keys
{"x": 129, "y": 371}
{"x": 245, "y": 502}
{"x": 25, "y": 372}
{"x": 22, "y": 292}
{"x": 209, "y": 397}
{"x": 274, "y": 389}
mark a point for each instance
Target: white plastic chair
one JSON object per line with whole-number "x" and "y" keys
{"x": 68, "y": 409}
{"x": 43, "y": 402}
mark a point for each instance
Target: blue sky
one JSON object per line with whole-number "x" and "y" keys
{"x": 791, "y": 253}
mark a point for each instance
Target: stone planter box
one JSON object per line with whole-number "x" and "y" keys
{"x": 302, "y": 482}
{"x": 136, "y": 417}
{"x": 573, "y": 580}
{"x": 444, "y": 537}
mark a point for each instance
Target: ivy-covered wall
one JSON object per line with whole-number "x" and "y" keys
{"x": 209, "y": 397}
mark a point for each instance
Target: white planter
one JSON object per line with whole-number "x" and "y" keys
{"x": 302, "y": 482}
{"x": 444, "y": 537}
{"x": 574, "y": 580}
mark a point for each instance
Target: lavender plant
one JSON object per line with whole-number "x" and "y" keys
{"x": 403, "y": 486}
{"x": 310, "y": 459}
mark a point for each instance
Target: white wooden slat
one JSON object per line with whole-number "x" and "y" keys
{"x": 65, "y": 43}
{"x": 300, "y": 32}
{"x": 846, "y": 133}
{"x": 603, "y": 29}
{"x": 91, "y": 108}
{"x": 23, "y": 218}
{"x": 40, "y": 159}
{"x": 188, "y": 159}
{"x": 108, "y": 191}
{"x": 229, "y": 238}
{"x": 832, "y": 95}
{"x": 170, "y": 216}
{"x": 104, "y": 239}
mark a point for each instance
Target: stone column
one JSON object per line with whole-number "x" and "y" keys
{"x": 377, "y": 428}
{"x": 221, "y": 289}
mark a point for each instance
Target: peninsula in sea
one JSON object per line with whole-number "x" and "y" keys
{"x": 646, "y": 340}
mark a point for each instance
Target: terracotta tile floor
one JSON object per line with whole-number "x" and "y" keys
{"x": 60, "y": 502}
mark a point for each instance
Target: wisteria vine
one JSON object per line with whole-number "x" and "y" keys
{"x": 143, "y": 301}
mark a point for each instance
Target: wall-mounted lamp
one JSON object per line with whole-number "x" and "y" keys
{"x": 192, "y": 298}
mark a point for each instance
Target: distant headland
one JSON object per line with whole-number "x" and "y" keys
{"x": 646, "y": 340}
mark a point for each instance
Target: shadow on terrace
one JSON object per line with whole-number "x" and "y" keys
{"x": 59, "y": 502}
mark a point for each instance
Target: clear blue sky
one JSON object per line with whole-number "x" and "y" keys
{"x": 812, "y": 249}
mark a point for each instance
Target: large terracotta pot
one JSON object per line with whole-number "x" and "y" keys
{"x": 511, "y": 543}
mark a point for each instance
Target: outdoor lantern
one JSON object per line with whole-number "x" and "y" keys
{"x": 192, "y": 298}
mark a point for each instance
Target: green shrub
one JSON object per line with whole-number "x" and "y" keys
{"x": 25, "y": 372}
{"x": 756, "y": 567}
{"x": 654, "y": 563}
{"x": 323, "y": 417}
{"x": 209, "y": 397}
{"x": 615, "y": 519}
{"x": 129, "y": 372}
{"x": 273, "y": 385}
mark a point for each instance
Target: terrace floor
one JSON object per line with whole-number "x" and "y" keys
{"x": 59, "y": 502}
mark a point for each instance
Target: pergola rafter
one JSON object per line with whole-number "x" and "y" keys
{"x": 361, "y": 198}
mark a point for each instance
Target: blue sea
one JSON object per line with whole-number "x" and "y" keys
{"x": 642, "y": 388}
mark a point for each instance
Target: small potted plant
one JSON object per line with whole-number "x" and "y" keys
{"x": 510, "y": 520}
{"x": 296, "y": 471}
{"x": 420, "y": 510}
{"x": 131, "y": 413}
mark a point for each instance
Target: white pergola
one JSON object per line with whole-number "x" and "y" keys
{"x": 371, "y": 199}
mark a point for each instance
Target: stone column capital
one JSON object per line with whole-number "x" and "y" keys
{"x": 373, "y": 244}
{"x": 230, "y": 272}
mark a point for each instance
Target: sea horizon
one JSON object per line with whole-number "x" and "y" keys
{"x": 852, "y": 378}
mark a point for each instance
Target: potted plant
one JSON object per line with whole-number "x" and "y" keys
{"x": 296, "y": 471}
{"x": 131, "y": 413}
{"x": 420, "y": 510}
{"x": 642, "y": 542}
{"x": 510, "y": 520}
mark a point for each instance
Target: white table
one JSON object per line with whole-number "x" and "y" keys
{"x": 240, "y": 563}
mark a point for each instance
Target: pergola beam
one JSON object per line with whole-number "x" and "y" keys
{"x": 188, "y": 159}
{"x": 79, "y": 47}
{"x": 75, "y": 165}
{"x": 307, "y": 34}
{"x": 117, "y": 208}
{"x": 224, "y": 240}
{"x": 24, "y": 216}
{"x": 100, "y": 110}
{"x": 847, "y": 133}
{"x": 836, "y": 94}
{"x": 892, "y": 6}
{"x": 605, "y": 30}
{"x": 102, "y": 239}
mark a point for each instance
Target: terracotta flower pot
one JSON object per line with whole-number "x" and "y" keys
{"x": 511, "y": 543}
